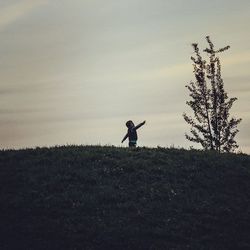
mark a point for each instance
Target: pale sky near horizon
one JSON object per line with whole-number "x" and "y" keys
{"x": 73, "y": 72}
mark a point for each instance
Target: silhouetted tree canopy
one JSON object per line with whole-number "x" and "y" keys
{"x": 211, "y": 125}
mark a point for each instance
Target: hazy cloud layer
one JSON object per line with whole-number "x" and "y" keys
{"x": 10, "y": 13}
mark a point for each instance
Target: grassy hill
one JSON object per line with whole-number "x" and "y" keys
{"x": 92, "y": 197}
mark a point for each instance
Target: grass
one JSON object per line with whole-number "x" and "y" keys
{"x": 93, "y": 197}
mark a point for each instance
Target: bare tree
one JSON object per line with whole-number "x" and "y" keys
{"x": 211, "y": 125}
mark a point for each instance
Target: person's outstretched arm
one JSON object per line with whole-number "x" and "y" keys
{"x": 125, "y": 137}
{"x": 139, "y": 125}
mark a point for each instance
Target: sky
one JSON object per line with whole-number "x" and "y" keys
{"x": 73, "y": 72}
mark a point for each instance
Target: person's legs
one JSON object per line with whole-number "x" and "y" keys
{"x": 132, "y": 144}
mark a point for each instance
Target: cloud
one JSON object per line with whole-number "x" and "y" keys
{"x": 239, "y": 58}
{"x": 13, "y": 12}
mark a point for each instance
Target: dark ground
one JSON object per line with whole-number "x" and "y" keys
{"x": 92, "y": 197}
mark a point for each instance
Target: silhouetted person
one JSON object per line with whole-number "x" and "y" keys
{"x": 132, "y": 134}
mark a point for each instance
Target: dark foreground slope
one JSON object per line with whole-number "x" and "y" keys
{"x": 78, "y": 197}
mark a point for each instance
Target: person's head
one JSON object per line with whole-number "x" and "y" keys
{"x": 130, "y": 124}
